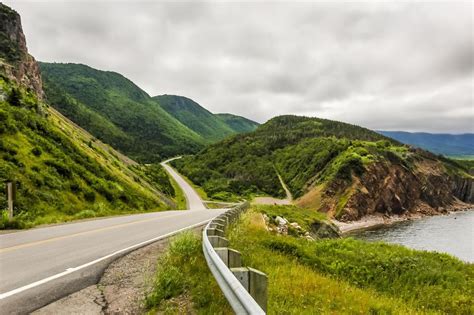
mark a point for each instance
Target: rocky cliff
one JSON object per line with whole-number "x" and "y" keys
{"x": 15, "y": 62}
{"x": 425, "y": 187}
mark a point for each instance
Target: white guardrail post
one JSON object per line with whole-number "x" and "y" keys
{"x": 245, "y": 288}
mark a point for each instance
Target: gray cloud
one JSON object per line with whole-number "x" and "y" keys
{"x": 398, "y": 66}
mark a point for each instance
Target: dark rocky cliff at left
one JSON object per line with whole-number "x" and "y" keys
{"x": 15, "y": 61}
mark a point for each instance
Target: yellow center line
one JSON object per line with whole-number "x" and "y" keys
{"x": 7, "y": 249}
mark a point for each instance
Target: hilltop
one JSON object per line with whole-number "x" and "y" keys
{"x": 237, "y": 123}
{"x": 344, "y": 170}
{"x": 212, "y": 127}
{"x": 118, "y": 112}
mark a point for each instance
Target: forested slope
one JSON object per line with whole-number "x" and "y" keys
{"x": 116, "y": 111}
{"x": 346, "y": 170}
{"x": 194, "y": 116}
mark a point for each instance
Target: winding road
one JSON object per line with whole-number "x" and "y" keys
{"x": 41, "y": 265}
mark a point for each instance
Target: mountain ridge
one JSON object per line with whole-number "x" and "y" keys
{"x": 441, "y": 143}
{"x": 146, "y": 128}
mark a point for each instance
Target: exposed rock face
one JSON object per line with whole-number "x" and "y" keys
{"x": 463, "y": 189}
{"x": 390, "y": 188}
{"x": 15, "y": 62}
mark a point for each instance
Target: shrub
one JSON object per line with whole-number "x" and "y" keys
{"x": 89, "y": 196}
{"x": 36, "y": 151}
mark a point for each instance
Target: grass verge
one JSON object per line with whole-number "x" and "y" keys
{"x": 179, "y": 197}
{"x": 183, "y": 283}
{"x": 347, "y": 276}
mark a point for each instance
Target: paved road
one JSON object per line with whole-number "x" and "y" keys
{"x": 193, "y": 200}
{"x": 40, "y": 265}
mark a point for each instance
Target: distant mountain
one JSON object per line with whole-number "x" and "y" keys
{"x": 342, "y": 169}
{"x": 195, "y": 117}
{"x": 446, "y": 144}
{"x": 212, "y": 127}
{"x": 237, "y": 123}
{"x": 117, "y": 112}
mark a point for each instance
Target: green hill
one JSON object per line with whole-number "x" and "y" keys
{"x": 135, "y": 123}
{"x": 194, "y": 116}
{"x": 61, "y": 172}
{"x": 212, "y": 127}
{"x": 237, "y": 123}
{"x": 346, "y": 170}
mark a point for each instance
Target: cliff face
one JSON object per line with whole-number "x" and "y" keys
{"x": 15, "y": 62}
{"x": 394, "y": 189}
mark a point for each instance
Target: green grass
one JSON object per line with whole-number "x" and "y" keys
{"x": 61, "y": 172}
{"x": 183, "y": 276}
{"x": 179, "y": 197}
{"x": 304, "y": 217}
{"x": 346, "y": 276}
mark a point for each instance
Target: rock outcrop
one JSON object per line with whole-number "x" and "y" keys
{"x": 392, "y": 188}
{"x": 15, "y": 62}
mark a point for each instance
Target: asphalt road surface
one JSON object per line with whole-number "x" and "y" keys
{"x": 40, "y": 265}
{"x": 193, "y": 200}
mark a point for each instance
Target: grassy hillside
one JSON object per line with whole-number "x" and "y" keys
{"x": 328, "y": 166}
{"x": 62, "y": 173}
{"x": 117, "y": 112}
{"x": 461, "y": 145}
{"x": 197, "y": 118}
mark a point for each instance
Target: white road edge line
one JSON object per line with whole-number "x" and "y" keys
{"x": 71, "y": 270}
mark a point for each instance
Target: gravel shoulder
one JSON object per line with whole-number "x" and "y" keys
{"x": 121, "y": 289}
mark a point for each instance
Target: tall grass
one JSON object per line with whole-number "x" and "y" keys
{"x": 346, "y": 276}
{"x": 183, "y": 282}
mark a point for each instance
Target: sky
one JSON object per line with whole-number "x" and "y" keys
{"x": 386, "y": 65}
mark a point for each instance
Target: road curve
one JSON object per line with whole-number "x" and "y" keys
{"x": 41, "y": 265}
{"x": 193, "y": 200}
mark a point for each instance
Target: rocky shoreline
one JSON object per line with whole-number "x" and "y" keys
{"x": 377, "y": 220}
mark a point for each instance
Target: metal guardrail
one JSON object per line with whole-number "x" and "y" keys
{"x": 238, "y": 297}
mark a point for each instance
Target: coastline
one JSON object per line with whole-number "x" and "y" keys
{"x": 378, "y": 220}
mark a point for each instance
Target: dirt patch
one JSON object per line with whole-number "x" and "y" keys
{"x": 122, "y": 288}
{"x": 270, "y": 201}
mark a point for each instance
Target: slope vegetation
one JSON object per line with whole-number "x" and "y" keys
{"x": 60, "y": 171}
{"x": 342, "y": 169}
{"x": 197, "y": 118}
{"x": 237, "y": 123}
{"x": 61, "y": 174}
{"x": 117, "y": 112}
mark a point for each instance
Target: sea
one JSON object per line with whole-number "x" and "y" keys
{"x": 452, "y": 233}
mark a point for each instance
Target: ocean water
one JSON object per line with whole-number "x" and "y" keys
{"x": 452, "y": 234}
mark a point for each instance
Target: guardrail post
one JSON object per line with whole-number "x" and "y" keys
{"x": 220, "y": 221}
{"x": 11, "y": 191}
{"x": 218, "y": 241}
{"x": 216, "y": 226}
{"x": 229, "y": 256}
{"x": 255, "y": 282}
{"x": 215, "y": 231}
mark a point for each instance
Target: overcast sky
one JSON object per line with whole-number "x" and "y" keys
{"x": 390, "y": 66}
